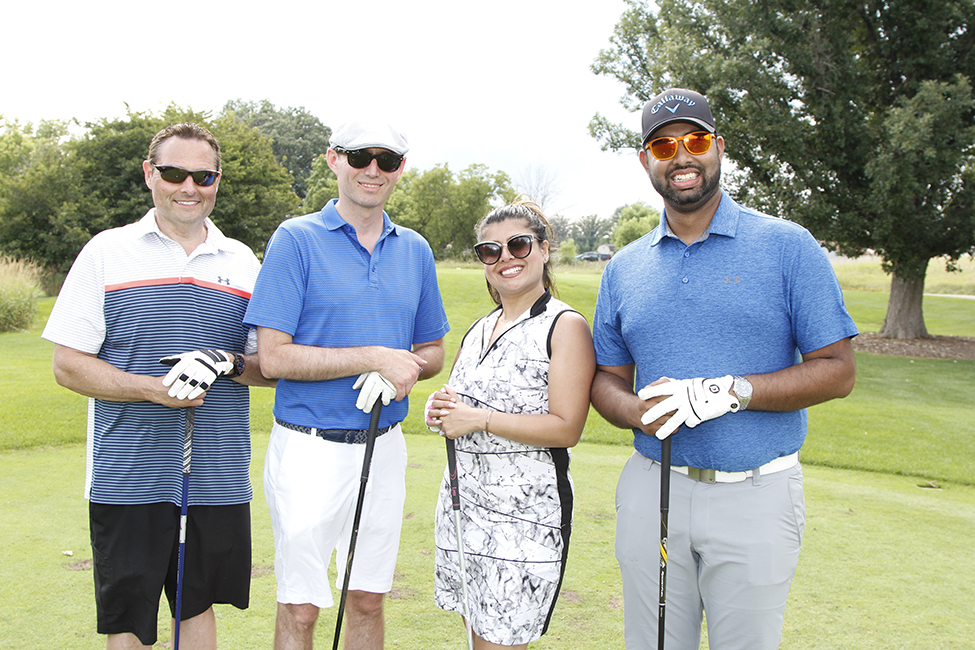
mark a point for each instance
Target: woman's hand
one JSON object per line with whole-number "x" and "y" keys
{"x": 452, "y": 417}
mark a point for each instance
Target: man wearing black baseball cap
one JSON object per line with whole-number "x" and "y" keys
{"x": 347, "y": 309}
{"x": 699, "y": 330}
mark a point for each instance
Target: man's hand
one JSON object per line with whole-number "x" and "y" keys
{"x": 194, "y": 372}
{"x": 691, "y": 400}
{"x": 372, "y": 386}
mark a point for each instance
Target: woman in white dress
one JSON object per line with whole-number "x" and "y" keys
{"x": 516, "y": 400}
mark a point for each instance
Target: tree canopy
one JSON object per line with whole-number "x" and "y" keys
{"x": 632, "y": 222}
{"x": 58, "y": 190}
{"x": 855, "y": 119}
{"x": 297, "y": 137}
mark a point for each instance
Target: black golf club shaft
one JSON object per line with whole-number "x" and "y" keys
{"x": 664, "y": 512}
{"x": 181, "y": 562}
{"x": 366, "y": 462}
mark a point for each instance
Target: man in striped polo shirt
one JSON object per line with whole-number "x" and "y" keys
{"x": 346, "y": 307}
{"x": 168, "y": 287}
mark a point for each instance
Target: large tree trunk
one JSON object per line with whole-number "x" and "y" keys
{"x": 905, "y": 315}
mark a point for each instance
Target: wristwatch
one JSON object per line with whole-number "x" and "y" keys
{"x": 743, "y": 391}
{"x": 238, "y": 366}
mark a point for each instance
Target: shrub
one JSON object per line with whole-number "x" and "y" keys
{"x": 19, "y": 289}
{"x": 567, "y": 252}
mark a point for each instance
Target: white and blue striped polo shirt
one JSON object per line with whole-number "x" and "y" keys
{"x": 133, "y": 296}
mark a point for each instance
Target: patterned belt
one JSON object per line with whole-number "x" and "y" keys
{"x": 348, "y": 436}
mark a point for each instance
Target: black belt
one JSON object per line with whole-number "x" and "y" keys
{"x": 348, "y": 436}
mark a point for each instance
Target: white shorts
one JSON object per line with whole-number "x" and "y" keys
{"x": 311, "y": 487}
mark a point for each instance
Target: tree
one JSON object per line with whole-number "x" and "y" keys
{"x": 854, "y": 119}
{"x": 561, "y": 228}
{"x": 56, "y": 192}
{"x": 37, "y": 176}
{"x": 322, "y": 185}
{"x": 541, "y": 184}
{"x": 444, "y": 208}
{"x": 255, "y": 189}
{"x": 297, "y": 136}
{"x": 590, "y": 231}
{"x": 567, "y": 252}
{"x": 632, "y": 222}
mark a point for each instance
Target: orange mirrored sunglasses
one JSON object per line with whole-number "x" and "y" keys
{"x": 665, "y": 148}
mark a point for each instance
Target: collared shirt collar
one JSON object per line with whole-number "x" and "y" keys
{"x": 215, "y": 241}
{"x": 333, "y": 220}
{"x": 724, "y": 222}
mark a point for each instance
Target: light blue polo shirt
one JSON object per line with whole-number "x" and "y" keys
{"x": 749, "y": 297}
{"x": 318, "y": 284}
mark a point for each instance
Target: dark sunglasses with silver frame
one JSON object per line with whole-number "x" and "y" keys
{"x": 176, "y": 175}
{"x": 361, "y": 158}
{"x": 520, "y": 247}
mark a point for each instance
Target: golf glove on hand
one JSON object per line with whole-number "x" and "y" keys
{"x": 372, "y": 386}
{"x": 693, "y": 401}
{"x": 194, "y": 372}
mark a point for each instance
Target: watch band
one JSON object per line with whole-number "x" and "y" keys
{"x": 239, "y": 366}
{"x": 743, "y": 391}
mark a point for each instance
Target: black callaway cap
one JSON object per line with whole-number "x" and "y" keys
{"x": 676, "y": 105}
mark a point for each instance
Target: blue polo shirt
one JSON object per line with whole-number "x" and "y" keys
{"x": 749, "y": 297}
{"x": 318, "y": 284}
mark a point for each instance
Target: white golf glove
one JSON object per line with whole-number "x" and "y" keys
{"x": 372, "y": 386}
{"x": 693, "y": 401}
{"x": 194, "y": 372}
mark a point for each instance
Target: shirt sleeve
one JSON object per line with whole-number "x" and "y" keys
{"x": 279, "y": 291}
{"x": 78, "y": 318}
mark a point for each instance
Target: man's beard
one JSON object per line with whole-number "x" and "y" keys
{"x": 683, "y": 198}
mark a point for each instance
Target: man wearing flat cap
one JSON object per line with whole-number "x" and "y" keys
{"x": 717, "y": 330}
{"x": 347, "y": 308}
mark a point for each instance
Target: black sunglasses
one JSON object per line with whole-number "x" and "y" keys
{"x": 520, "y": 247}
{"x": 202, "y": 177}
{"x": 360, "y": 159}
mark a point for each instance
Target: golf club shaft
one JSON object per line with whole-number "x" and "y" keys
{"x": 184, "y": 502}
{"x": 455, "y": 504}
{"x": 364, "y": 478}
{"x": 664, "y": 512}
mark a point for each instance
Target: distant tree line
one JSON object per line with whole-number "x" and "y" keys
{"x": 61, "y": 184}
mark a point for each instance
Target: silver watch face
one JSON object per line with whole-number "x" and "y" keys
{"x": 743, "y": 389}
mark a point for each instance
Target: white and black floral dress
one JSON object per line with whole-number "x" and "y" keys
{"x": 516, "y": 499}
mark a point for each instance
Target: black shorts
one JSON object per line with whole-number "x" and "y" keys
{"x": 135, "y": 551}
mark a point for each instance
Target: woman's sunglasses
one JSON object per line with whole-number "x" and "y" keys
{"x": 360, "y": 159}
{"x": 202, "y": 177}
{"x": 489, "y": 252}
{"x": 665, "y": 148}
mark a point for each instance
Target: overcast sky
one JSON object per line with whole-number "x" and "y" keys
{"x": 506, "y": 83}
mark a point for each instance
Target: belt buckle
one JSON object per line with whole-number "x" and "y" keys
{"x": 702, "y": 475}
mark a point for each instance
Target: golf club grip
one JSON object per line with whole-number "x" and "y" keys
{"x": 188, "y": 438}
{"x": 371, "y": 437}
{"x": 452, "y": 472}
{"x": 664, "y": 515}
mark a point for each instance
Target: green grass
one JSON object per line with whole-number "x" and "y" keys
{"x": 885, "y": 563}
{"x": 864, "y": 274}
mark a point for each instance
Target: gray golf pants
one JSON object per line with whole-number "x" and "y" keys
{"x": 732, "y": 553}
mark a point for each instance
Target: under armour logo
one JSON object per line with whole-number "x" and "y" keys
{"x": 736, "y": 280}
{"x": 223, "y": 280}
